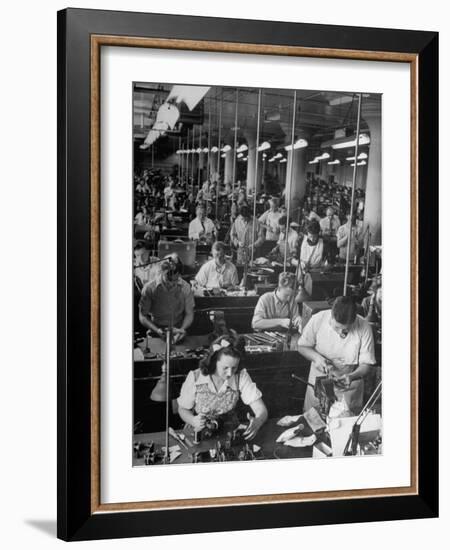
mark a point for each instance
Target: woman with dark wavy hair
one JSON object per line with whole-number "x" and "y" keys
{"x": 213, "y": 390}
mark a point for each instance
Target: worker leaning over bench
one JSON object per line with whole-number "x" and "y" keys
{"x": 339, "y": 343}
{"x": 275, "y": 310}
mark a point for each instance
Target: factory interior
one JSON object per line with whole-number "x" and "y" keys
{"x": 257, "y": 273}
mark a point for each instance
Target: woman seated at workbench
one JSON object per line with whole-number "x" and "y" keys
{"x": 278, "y": 309}
{"x": 218, "y": 272}
{"x": 212, "y": 392}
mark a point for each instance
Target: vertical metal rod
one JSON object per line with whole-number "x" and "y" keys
{"x": 235, "y": 141}
{"x": 168, "y": 344}
{"x": 179, "y": 161}
{"x": 187, "y": 161}
{"x": 218, "y": 155}
{"x": 208, "y": 168}
{"x": 201, "y": 153}
{"x": 192, "y": 158}
{"x": 256, "y": 177}
{"x": 183, "y": 164}
{"x": 288, "y": 187}
{"x": 153, "y": 155}
{"x": 367, "y": 259}
{"x": 352, "y": 205}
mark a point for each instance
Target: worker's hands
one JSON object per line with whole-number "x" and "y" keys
{"x": 198, "y": 422}
{"x": 343, "y": 381}
{"x": 178, "y": 334}
{"x": 254, "y": 425}
{"x": 296, "y": 321}
{"x": 284, "y": 323}
{"x": 158, "y": 331}
{"x": 322, "y": 363}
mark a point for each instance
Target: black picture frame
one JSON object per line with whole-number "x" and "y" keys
{"x": 76, "y": 519}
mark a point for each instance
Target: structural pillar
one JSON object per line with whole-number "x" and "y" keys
{"x": 251, "y": 153}
{"x": 298, "y": 187}
{"x": 212, "y": 165}
{"x": 372, "y": 206}
{"x": 228, "y": 173}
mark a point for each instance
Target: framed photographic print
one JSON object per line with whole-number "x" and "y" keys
{"x": 247, "y": 274}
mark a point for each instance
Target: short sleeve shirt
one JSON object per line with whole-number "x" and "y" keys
{"x": 212, "y": 276}
{"x": 166, "y": 306}
{"x": 248, "y": 391}
{"x": 270, "y": 307}
{"x": 357, "y": 348}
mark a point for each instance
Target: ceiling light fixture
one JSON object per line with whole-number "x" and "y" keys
{"x": 361, "y": 156}
{"x": 299, "y": 144}
{"x": 264, "y": 146}
{"x": 344, "y": 143}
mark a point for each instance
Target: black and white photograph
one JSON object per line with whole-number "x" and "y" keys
{"x": 257, "y": 273}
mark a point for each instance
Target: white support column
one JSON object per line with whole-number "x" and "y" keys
{"x": 372, "y": 208}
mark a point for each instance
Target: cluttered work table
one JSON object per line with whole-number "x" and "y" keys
{"x": 301, "y": 436}
{"x": 184, "y": 450}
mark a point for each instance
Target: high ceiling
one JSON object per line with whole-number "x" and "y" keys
{"x": 318, "y": 115}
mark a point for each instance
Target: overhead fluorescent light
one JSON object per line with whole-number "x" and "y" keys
{"x": 361, "y": 156}
{"x": 206, "y": 150}
{"x": 344, "y": 143}
{"x": 342, "y": 100}
{"x": 223, "y": 155}
{"x": 242, "y": 148}
{"x": 283, "y": 160}
{"x": 240, "y": 155}
{"x": 264, "y": 146}
{"x": 199, "y": 150}
{"x": 336, "y": 161}
{"x": 214, "y": 149}
{"x": 323, "y": 156}
{"x": 315, "y": 161}
{"x": 226, "y": 148}
{"x": 277, "y": 156}
{"x": 299, "y": 144}
{"x": 362, "y": 163}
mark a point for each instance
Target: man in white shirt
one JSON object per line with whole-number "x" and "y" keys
{"x": 311, "y": 251}
{"x": 339, "y": 343}
{"x": 330, "y": 223}
{"x": 270, "y": 220}
{"x": 246, "y": 233}
{"x": 218, "y": 272}
{"x": 202, "y": 228}
{"x": 329, "y": 226}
